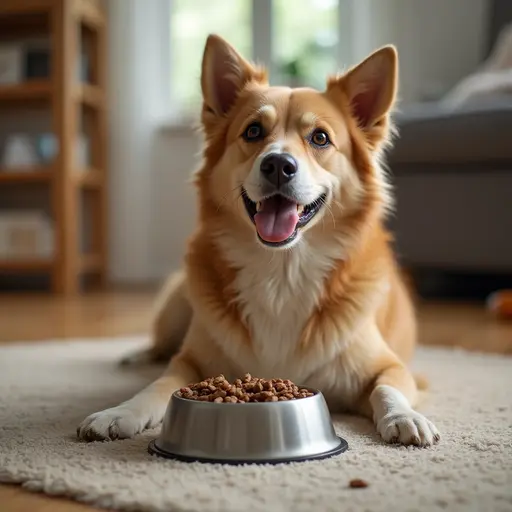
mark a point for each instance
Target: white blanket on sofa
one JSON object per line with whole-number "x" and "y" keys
{"x": 493, "y": 78}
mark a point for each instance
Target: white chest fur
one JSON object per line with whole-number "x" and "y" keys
{"x": 277, "y": 293}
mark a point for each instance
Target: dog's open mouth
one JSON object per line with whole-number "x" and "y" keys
{"x": 278, "y": 218}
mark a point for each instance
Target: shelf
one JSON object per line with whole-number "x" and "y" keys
{"x": 23, "y": 25}
{"x": 36, "y": 175}
{"x": 89, "y": 263}
{"x": 89, "y": 178}
{"x": 90, "y": 13}
{"x": 30, "y": 90}
{"x": 22, "y": 6}
{"x": 90, "y": 95}
{"x": 35, "y": 265}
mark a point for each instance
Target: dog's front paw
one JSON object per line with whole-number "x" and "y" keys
{"x": 407, "y": 427}
{"x": 119, "y": 422}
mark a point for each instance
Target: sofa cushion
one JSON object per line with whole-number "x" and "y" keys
{"x": 432, "y": 133}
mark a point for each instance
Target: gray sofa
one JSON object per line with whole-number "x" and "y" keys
{"x": 452, "y": 172}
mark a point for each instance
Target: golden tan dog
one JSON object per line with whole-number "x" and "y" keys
{"x": 290, "y": 272}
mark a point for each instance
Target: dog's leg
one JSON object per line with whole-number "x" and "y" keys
{"x": 392, "y": 401}
{"x": 392, "y": 398}
{"x": 172, "y": 318}
{"x": 144, "y": 410}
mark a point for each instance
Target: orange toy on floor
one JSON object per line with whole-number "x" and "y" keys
{"x": 500, "y": 303}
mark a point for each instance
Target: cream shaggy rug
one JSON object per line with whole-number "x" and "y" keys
{"x": 47, "y": 389}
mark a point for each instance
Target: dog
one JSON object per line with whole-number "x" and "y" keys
{"x": 290, "y": 272}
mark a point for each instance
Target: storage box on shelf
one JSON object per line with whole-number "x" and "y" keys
{"x": 66, "y": 38}
{"x": 11, "y": 61}
{"x": 26, "y": 236}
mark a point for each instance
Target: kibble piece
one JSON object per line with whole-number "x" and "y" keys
{"x": 358, "y": 483}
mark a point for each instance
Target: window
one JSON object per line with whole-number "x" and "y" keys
{"x": 305, "y": 41}
{"x": 298, "y": 40}
{"x": 191, "y": 22}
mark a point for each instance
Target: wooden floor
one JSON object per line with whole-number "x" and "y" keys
{"x": 41, "y": 317}
{"x": 94, "y": 315}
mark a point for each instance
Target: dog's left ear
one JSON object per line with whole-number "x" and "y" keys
{"x": 224, "y": 74}
{"x": 370, "y": 87}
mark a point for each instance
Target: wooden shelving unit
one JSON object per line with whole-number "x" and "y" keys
{"x": 34, "y": 175}
{"x": 65, "y": 22}
{"x": 33, "y": 266}
{"x": 40, "y": 89}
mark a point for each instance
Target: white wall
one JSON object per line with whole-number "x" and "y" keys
{"x": 153, "y": 204}
{"x": 173, "y": 198}
{"x": 136, "y": 96}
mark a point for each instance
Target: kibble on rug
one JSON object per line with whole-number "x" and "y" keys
{"x": 46, "y": 389}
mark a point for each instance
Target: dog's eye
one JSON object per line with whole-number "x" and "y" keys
{"x": 253, "y": 132}
{"x": 320, "y": 138}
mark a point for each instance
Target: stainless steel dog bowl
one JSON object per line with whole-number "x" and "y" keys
{"x": 260, "y": 432}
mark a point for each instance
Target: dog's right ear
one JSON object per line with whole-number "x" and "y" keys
{"x": 224, "y": 74}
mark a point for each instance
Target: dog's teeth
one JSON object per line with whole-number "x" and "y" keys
{"x": 300, "y": 209}
{"x": 258, "y": 206}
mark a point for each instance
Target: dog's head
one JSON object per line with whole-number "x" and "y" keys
{"x": 285, "y": 162}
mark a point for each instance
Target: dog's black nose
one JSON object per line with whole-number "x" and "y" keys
{"x": 278, "y": 168}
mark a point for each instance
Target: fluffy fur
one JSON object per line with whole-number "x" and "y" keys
{"x": 328, "y": 309}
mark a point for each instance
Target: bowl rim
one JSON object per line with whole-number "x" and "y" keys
{"x": 316, "y": 393}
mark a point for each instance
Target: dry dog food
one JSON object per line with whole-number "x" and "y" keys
{"x": 357, "y": 483}
{"x": 247, "y": 389}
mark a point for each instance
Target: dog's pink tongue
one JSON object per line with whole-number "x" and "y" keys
{"x": 277, "y": 219}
